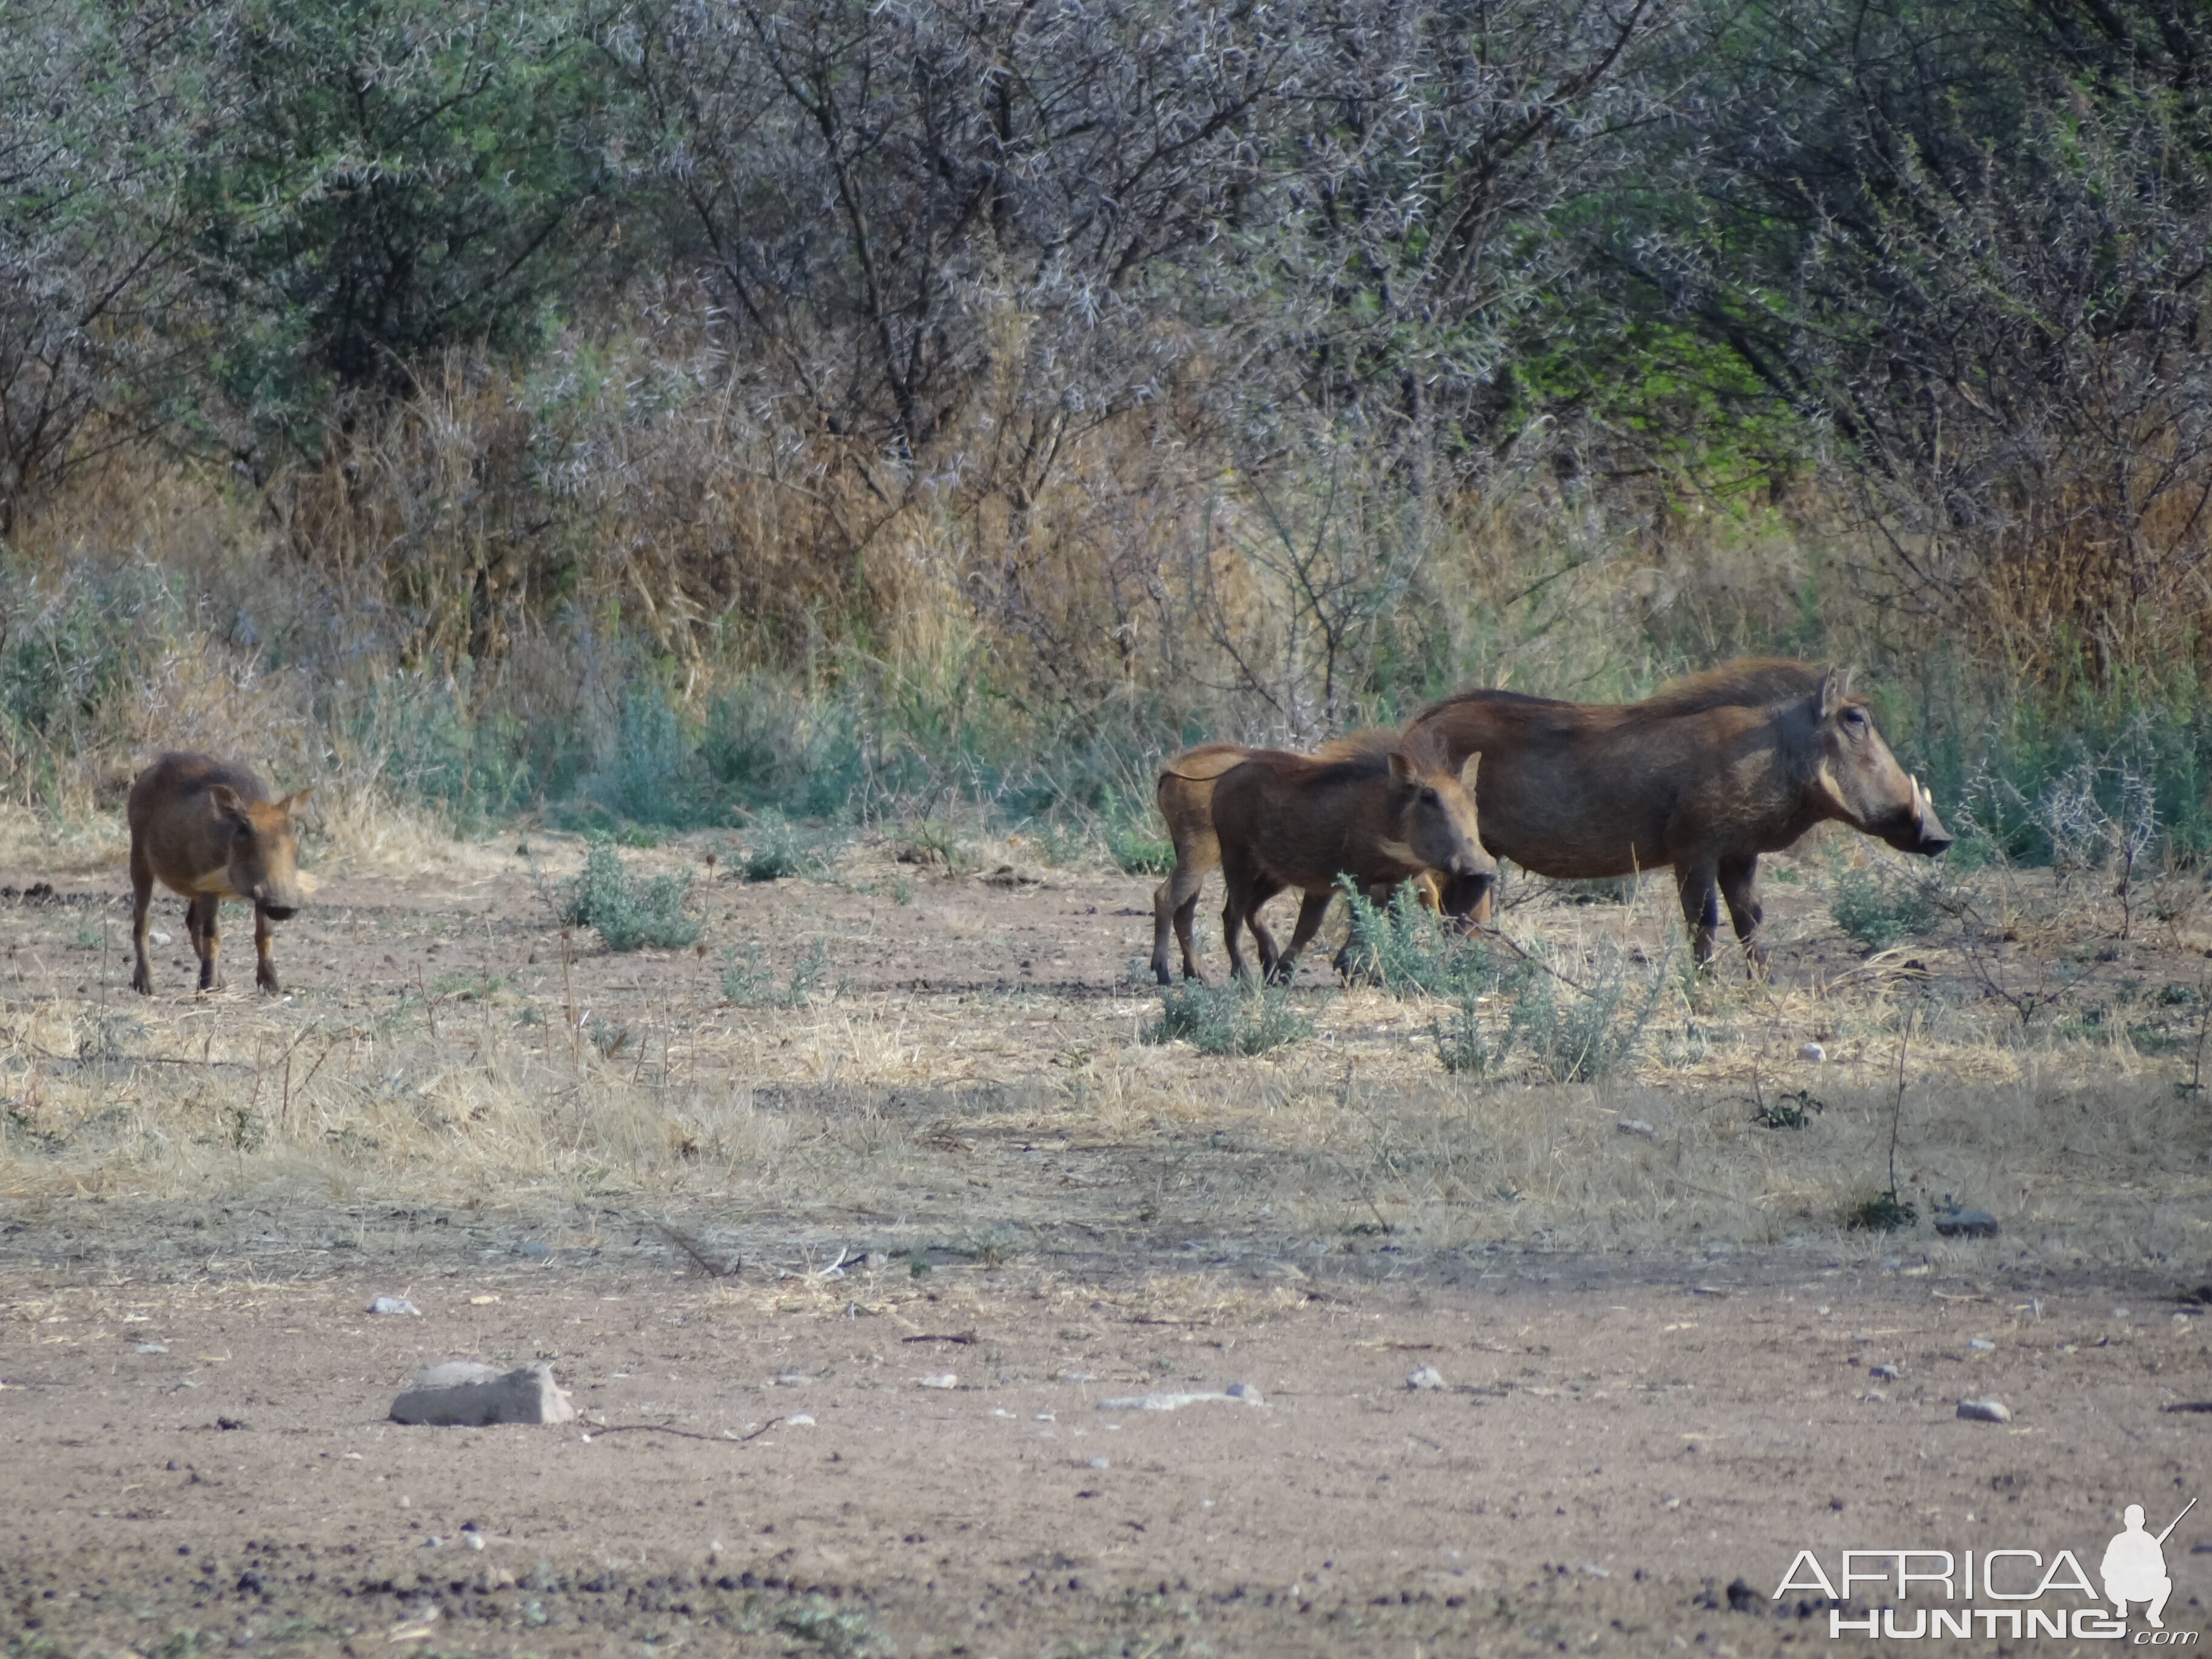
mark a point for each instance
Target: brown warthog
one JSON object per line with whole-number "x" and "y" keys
{"x": 1185, "y": 793}
{"x": 211, "y": 832}
{"x": 1704, "y": 775}
{"x": 1382, "y": 817}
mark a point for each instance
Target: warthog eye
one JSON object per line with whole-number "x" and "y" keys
{"x": 1429, "y": 798}
{"x": 1856, "y": 719}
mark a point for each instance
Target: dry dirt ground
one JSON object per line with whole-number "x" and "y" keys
{"x": 893, "y": 1125}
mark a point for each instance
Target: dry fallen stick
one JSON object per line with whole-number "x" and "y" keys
{"x": 690, "y": 1247}
{"x": 688, "y": 1434}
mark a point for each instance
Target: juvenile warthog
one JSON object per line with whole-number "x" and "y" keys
{"x": 1185, "y": 793}
{"x": 211, "y": 832}
{"x": 1381, "y": 817}
{"x": 1704, "y": 775}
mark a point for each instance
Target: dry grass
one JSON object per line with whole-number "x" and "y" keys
{"x": 992, "y": 1122}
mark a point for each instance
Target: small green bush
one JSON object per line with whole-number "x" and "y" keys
{"x": 1133, "y": 837}
{"x": 1793, "y": 1108}
{"x": 1881, "y": 909}
{"x": 749, "y": 982}
{"x": 629, "y": 913}
{"x": 1410, "y": 951}
{"x": 1228, "y": 1020}
{"x": 933, "y": 841}
{"x": 775, "y": 848}
{"x": 1884, "y": 1212}
{"x": 1462, "y": 1044}
{"x": 1574, "y": 1033}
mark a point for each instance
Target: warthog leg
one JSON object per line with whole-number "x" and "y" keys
{"x": 200, "y": 923}
{"x": 265, "y": 961}
{"x": 1740, "y": 887}
{"x": 142, "y": 899}
{"x": 1174, "y": 905}
{"x": 1246, "y": 891}
{"x": 1701, "y": 907}
{"x": 1311, "y": 909}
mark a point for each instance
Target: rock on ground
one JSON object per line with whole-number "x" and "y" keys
{"x": 462, "y": 1394}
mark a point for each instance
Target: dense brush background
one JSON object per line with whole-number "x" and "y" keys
{"x": 658, "y": 415}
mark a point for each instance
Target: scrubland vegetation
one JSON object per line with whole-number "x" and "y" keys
{"x": 838, "y": 436}
{"x": 655, "y": 415}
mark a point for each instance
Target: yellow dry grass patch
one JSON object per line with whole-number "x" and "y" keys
{"x": 987, "y": 1122}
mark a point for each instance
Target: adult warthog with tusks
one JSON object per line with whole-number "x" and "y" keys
{"x": 1703, "y": 776}
{"x": 1380, "y": 815}
{"x": 211, "y": 832}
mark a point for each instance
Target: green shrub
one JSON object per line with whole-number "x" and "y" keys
{"x": 1884, "y": 1212}
{"x": 773, "y": 848}
{"x": 1131, "y": 831}
{"x": 643, "y": 779}
{"x": 1793, "y": 1108}
{"x": 629, "y": 912}
{"x": 1462, "y": 1044}
{"x": 766, "y": 744}
{"x": 749, "y": 982}
{"x": 1881, "y": 909}
{"x": 1580, "y": 1033}
{"x": 1228, "y": 1020}
{"x": 439, "y": 747}
{"x": 1410, "y": 951}
{"x": 1573, "y": 1032}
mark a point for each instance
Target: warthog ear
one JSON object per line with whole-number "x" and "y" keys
{"x": 225, "y": 800}
{"x": 1402, "y": 768}
{"x": 292, "y": 802}
{"x": 1835, "y": 686}
{"x": 1467, "y": 772}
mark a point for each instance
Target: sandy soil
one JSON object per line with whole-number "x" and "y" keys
{"x": 1609, "y": 1451}
{"x": 1624, "y": 1453}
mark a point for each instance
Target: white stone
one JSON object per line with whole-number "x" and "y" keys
{"x": 944, "y": 1380}
{"x": 1984, "y": 1411}
{"x": 1427, "y": 1377}
{"x": 464, "y": 1394}
{"x": 394, "y": 1304}
{"x": 1241, "y": 1393}
{"x": 1811, "y": 1053}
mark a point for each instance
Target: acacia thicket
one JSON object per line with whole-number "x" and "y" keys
{"x": 1209, "y": 350}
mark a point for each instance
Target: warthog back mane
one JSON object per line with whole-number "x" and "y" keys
{"x": 1746, "y": 683}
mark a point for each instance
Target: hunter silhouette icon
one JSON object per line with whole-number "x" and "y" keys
{"x": 2134, "y": 1568}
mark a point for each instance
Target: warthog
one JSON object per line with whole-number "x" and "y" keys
{"x": 1185, "y": 793}
{"x": 209, "y": 832}
{"x": 1382, "y": 817}
{"x": 1704, "y": 775}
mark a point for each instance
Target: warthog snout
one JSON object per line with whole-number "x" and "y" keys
{"x": 1467, "y": 891}
{"x": 1916, "y": 828}
{"x": 280, "y": 912}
